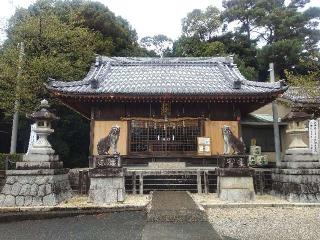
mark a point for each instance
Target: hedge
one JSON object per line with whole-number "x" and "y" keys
{"x": 12, "y": 157}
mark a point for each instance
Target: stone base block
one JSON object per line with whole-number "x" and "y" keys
{"x": 166, "y": 165}
{"x": 106, "y": 190}
{"x": 236, "y": 189}
{"x": 40, "y": 157}
{"x": 300, "y": 165}
{"x": 295, "y": 151}
{"x": 297, "y": 185}
{"x": 301, "y": 157}
{"x": 34, "y": 189}
{"x": 39, "y": 165}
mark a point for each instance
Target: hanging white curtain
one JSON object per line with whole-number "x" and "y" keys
{"x": 33, "y": 137}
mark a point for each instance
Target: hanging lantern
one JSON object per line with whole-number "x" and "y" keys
{"x": 165, "y": 108}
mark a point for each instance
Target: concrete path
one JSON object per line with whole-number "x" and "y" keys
{"x": 170, "y": 206}
{"x": 179, "y": 231}
{"x": 174, "y": 215}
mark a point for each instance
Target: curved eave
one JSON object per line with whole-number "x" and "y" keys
{"x": 215, "y": 97}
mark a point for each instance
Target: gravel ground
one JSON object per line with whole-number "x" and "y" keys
{"x": 83, "y": 201}
{"x": 266, "y": 223}
{"x": 212, "y": 198}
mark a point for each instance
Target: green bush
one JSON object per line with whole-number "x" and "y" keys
{"x": 12, "y": 157}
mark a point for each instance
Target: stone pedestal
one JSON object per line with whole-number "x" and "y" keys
{"x": 39, "y": 187}
{"x": 298, "y": 178}
{"x": 236, "y": 184}
{"x": 107, "y": 180}
{"x": 39, "y": 180}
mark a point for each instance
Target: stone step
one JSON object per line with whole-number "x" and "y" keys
{"x": 301, "y": 158}
{"x": 174, "y": 206}
{"x": 39, "y": 165}
{"x": 300, "y": 165}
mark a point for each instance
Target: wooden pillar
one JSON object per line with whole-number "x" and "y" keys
{"x": 140, "y": 184}
{"x": 134, "y": 187}
{"x": 199, "y": 181}
{"x": 206, "y": 182}
{"x": 91, "y": 131}
{"x": 80, "y": 183}
{"x": 218, "y": 184}
{"x": 276, "y": 131}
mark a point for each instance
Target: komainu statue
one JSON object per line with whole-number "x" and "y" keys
{"x": 232, "y": 142}
{"x": 109, "y": 141}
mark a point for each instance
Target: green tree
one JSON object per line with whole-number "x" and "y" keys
{"x": 308, "y": 81}
{"x": 61, "y": 39}
{"x": 286, "y": 31}
{"x": 160, "y": 44}
{"x": 246, "y": 12}
{"x": 201, "y": 24}
{"x": 194, "y": 47}
{"x": 52, "y": 49}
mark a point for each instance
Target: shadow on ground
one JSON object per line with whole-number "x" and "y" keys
{"x": 109, "y": 226}
{"x": 113, "y": 226}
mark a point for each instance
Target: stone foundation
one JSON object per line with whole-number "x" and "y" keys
{"x": 43, "y": 187}
{"x": 298, "y": 179}
{"x": 236, "y": 184}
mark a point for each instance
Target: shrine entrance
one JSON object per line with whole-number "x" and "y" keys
{"x": 163, "y": 137}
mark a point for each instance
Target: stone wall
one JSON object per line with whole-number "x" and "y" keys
{"x": 297, "y": 185}
{"x": 35, "y": 190}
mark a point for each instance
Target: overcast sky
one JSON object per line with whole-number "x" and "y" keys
{"x": 148, "y": 17}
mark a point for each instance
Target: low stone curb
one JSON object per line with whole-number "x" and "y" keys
{"x": 37, "y": 213}
{"x": 259, "y": 205}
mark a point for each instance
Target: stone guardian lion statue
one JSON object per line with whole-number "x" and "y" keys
{"x": 109, "y": 141}
{"x": 232, "y": 142}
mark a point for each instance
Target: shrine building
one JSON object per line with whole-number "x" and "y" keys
{"x": 168, "y": 109}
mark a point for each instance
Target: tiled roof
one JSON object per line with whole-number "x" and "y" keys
{"x": 156, "y": 76}
{"x": 300, "y": 96}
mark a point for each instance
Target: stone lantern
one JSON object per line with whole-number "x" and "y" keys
{"x": 40, "y": 179}
{"x": 298, "y": 175}
{"x": 43, "y": 119}
{"x": 296, "y": 129}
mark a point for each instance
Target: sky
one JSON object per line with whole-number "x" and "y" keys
{"x": 147, "y": 17}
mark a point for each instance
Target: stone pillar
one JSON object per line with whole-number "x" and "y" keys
{"x": 40, "y": 179}
{"x": 235, "y": 180}
{"x": 298, "y": 177}
{"x": 107, "y": 180}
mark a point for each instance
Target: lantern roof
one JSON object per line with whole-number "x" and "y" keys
{"x": 43, "y": 113}
{"x": 296, "y": 115}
